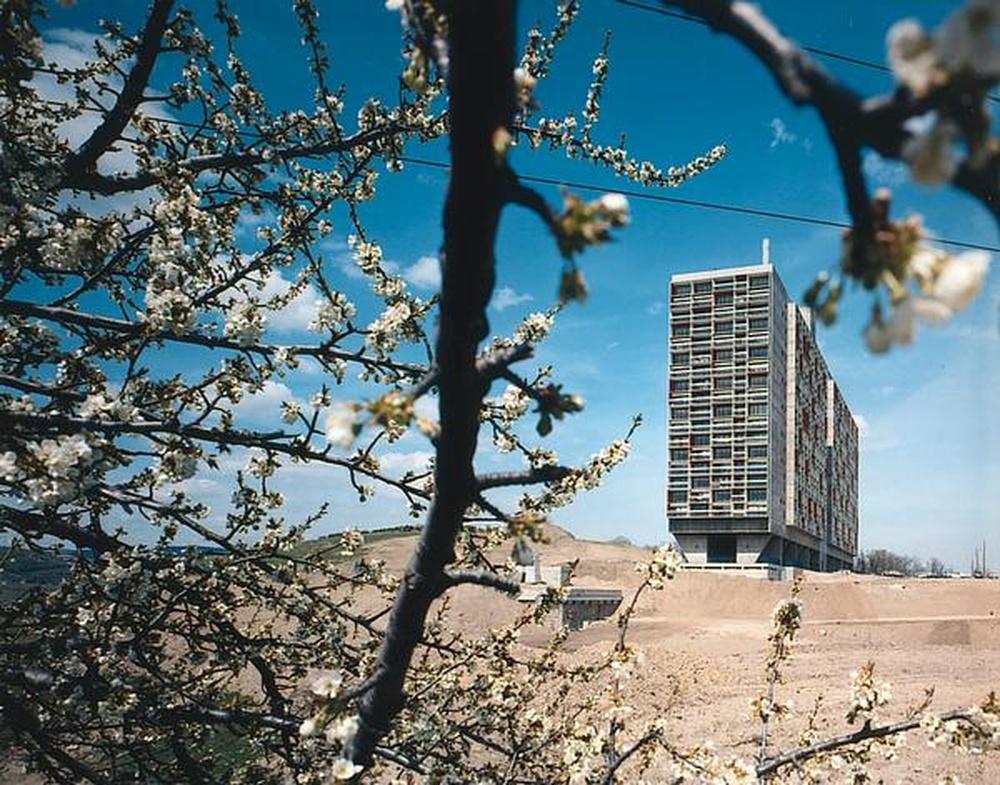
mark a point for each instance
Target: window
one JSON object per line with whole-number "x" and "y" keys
{"x": 758, "y": 323}
{"x": 682, "y": 288}
{"x": 680, "y": 359}
{"x": 678, "y": 497}
{"x": 724, "y": 383}
{"x": 724, "y": 298}
{"x": 758, "y": 282}
{"x": 758, "y": 351}
{"x": 701, "y": 440}
{"x": 758, "y": 380}
{"x": 724, "y": 328}
{"x": 678, "y": 385}
{"x": 699, "y": 482}
{"x": 702, "y": 286}
{"x": 757, "y": 450}
{"x": 757, "y": 494}
{"x": 722, "y": 453}
{"x": 723, "y": 356}
{"x": 758, "y": 410}
{"x": 679, "y": 413}
{"x": 682, "y": 330}
{"x": 724, "y": 410}
{"x": 720, "y": 495}
{"x": 679, "y": 455}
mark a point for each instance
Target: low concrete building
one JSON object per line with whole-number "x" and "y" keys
{"x": 581, "y": 605}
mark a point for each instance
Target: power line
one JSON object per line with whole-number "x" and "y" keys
{"x": 635, "y": 194}
{"x": 700, "y": 204}
{"x": 811, "y": 49}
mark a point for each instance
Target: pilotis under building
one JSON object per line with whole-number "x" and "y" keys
{"x": 763, "y": 450}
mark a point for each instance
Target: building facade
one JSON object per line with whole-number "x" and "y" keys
{"x": 763, "y": 450}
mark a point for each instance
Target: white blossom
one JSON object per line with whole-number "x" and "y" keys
{"x": 178, "y": 462}
{"x": 514, "y": 403}
{"x": 8, "y": 466}
{"x": 341, "y": 730}
{"x": 343, "y": 769}
{"x": 616, "y": 205}
{"x": 290, "y": 412}
{"x": 534, "y": 328}
{"x": 328, "y": 685}
{"x": 961, "y": 279}
{"x": 307, "y": 728}
{"x": 967, "y": 39}
{"x": 333, "y": 313}
{"x": 385, "y": 333}
{"x": 931, "y": 155}
{"x": 912, "y": 55}
{"x": 245, "y": 323}
{"x": 62, "y": 462}
{"x": 99, "y": 406}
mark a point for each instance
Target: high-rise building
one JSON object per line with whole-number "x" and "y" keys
{"x": 763, "y": 450}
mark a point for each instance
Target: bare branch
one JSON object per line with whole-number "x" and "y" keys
{"x": 481, "y": 578}
{"x": 532, "y": 477}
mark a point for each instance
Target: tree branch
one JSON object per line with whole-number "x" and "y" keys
{"x": 481, "y": 51}
{"x": 850, "y": 121}
{"x": 532, "y": 477}
{"x": 490, "y": 580}
{"x": 140, "y": 330}
{"x": 32, "y": 525}
{"x": 802, "y": 754}
{"x": 118, "y": 117}
{"x": 620, "y": 759}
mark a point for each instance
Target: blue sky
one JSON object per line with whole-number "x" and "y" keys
{"x": 930, "y": 413}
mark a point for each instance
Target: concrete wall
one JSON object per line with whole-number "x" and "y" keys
{"x": 694, "y": 547}
{"x": 749, "y": 547}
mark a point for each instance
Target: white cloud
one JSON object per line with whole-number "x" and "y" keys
{"x": 882, "y": 171}
{"x": 505, "y": 297}
{"x": 295, "y": 316}
{"x": 266, "y": 404}
{"x": 780, "y": 135}
{"x": 402, "y": 462}
{"x": 425, "y": 273}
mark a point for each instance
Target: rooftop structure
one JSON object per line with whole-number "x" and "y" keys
{"x": 763, "y": 450}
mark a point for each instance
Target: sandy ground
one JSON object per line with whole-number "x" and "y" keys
{"x": 704, "y": 643}
{"x": 703, "y": 639}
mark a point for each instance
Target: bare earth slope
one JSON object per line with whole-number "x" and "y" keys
{"x": 704, "y": 639}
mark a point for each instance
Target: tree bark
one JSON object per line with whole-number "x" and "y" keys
{"x": 481, "y": 62}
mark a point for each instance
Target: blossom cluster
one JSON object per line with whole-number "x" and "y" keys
{"x": 920, "y": 282}
{"x": 661, "y": 567}
{"x": 867, "y": 694}
{"x": 179, "y": 253}
{"x": 54, "y": 470}
{"x": 962, "y": 55}
{"x": 946, "y": 283}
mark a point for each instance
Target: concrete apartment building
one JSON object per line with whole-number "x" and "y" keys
{"x": 763, "y": 450}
